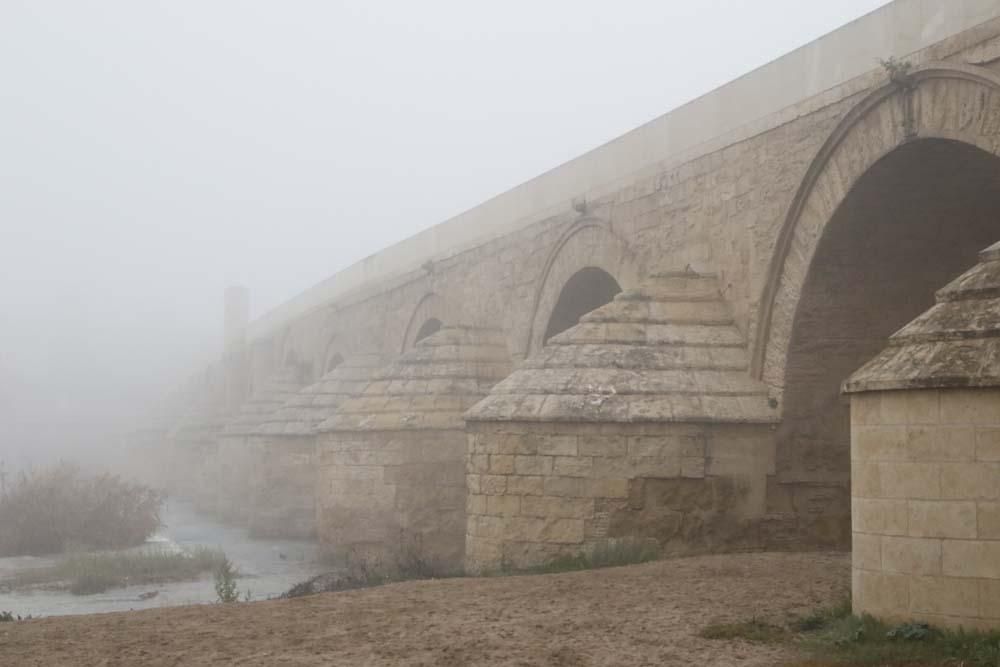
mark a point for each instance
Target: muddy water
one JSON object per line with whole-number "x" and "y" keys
{"x": 267, "y": 567}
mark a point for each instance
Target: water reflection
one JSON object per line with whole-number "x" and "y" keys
{"x": 268, "y": 568}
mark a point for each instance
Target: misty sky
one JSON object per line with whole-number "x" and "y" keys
{"x": 153, "y": 152}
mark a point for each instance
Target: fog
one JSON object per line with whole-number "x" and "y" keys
{"x": 152, "y": 153}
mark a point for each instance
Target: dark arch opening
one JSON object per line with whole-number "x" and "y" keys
{"x": 428, "y": 328}
{"x": 588, "y": 289}
{"x": 333, "y": 362}
{"x": 909, "y": 225}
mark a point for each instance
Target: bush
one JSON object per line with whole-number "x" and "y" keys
{"x": 50, "y": 510}
{"x": 225, "y": 582}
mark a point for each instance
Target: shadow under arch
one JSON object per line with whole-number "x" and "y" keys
{"x": 426, "y": 319}
{"x": 590, "y": 245}
{"x": 588, "y": 289}
{"x": 936, "y": 101}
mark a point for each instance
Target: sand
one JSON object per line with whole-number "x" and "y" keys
{"x": 638, "y": 615}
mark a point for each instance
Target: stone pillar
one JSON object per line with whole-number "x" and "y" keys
{"x": 925, "y": 462}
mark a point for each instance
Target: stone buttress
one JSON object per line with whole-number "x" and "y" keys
{"x": 640, "y": 422}
{"x": 392, "y": 462}
{"x": 236, "y": 466}
{"x": 925, "y": 462}
{"x": 283, "y": 500}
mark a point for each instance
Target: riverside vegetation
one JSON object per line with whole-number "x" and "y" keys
{"x": 834, "y": 636}
{"x": 59, "y": 508}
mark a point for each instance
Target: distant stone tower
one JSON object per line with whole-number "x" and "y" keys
{"x": 925, "y": 462}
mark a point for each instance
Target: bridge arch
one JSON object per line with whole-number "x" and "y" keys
{"x": 943, "y": 101}
{"x": 585, "y": 269}
{"x": 426, "y": 319}
{"x": 332, "y": 356}
{"x": 898, "y": 203}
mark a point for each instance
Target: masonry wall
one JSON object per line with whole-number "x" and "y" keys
{"x": 541, "y": 491}
{"x": 926, "y": 497}
{"x": 392, "y": 498}
{"x": 721, "y": 212}
{"x": 283, "y": 488}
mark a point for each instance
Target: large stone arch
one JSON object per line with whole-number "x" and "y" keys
{"x": 588, "y": 244}
{"x": 935, "y": 101}
{"x": 430, "y": 308}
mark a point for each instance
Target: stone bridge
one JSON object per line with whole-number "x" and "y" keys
{"x": 644, "y": 344}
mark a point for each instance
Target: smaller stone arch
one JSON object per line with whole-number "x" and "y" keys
{"x": 586, "y": 253}
{"x": 426, "y": 319}
{"x": 586, "y": 290}
{"x": 332, "y": 362}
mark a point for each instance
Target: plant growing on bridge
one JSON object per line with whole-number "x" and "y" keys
{"x": 898, "y": 71}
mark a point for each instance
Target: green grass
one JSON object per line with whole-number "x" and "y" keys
{"x": 833, "y": 636}
{"x": 86, "y": 574}
{"x": 863, "y": 640}
{"x": 614, "y": 553}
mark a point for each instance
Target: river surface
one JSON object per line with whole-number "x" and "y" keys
{"x": 267, "y": 569}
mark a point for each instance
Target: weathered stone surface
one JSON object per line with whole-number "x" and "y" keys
{"x": 405, "y": 426}
{"x": 666, "y": 351}
{"x": 926, "y": 484}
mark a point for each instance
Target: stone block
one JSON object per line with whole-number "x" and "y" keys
{"x": 867, "y": 552}
{"x": 893, "y": 408}
{"x": 557, "y": 507}
{"x": 473, "y": 483}
{"x": 877, "y": 591}
{"x": 551, "y": 530}
{"x": 566, "y": 486}
{"x": 482, "y": 555}
{"x": 533, "y": 465}
{"x": 906, "y": 555}
{"x": 945, "y": 596}
{"x": 942, "y": 518}
{"x": 475, "y": 504}
{"x": 572, "y": 466}
{"x": 865, "y": 408}
{"x": 988, "y": 444}
{"x": 693, "y": 466}
{"x": 988, "y": 520}
{"x": 517, "y": 443}
{"x": 910, "y": 480}
{"x": 654, "y": 447}
{"x": 518, "y": 485}
{"x": 493, "y": 485}
{"x": 478, "y": 463}
{"x": 965, "y": 407}
{"x": 490, "y": 527}
{"x": 881, "y": 517}
{"x": 606, "y": 488}
{"x": 941, "y": 443}
{"x": 602, "y": 445}
{"x": 989, "y": 599}
{"x": 879, "y": 443}
{"x": 558, "y": 445}
{"x": 501, "y": 464}
{"x": 503, "y": 505}
{"x": 866, "y": 480}
{"x": 965, "y": 558}
{"x": 970, "y": 481}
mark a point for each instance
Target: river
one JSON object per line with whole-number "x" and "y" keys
{"x": 268, "y": 567}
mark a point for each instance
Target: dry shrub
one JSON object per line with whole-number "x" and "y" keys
{"x": 55, "y": 508}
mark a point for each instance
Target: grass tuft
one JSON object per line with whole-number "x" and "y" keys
{"x": 613, "y": 553}
{"x": 754, "y": 630}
